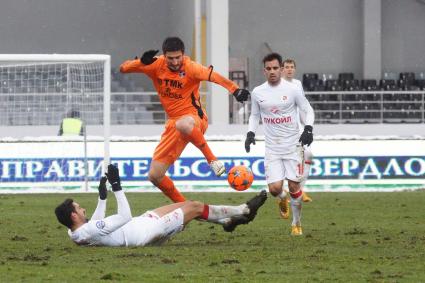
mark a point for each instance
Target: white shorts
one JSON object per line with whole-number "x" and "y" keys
{"x": 150, "y": 229}
{"x": 281, "y": 167}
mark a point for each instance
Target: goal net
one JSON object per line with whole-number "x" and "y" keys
{"x": 36, "y": 93}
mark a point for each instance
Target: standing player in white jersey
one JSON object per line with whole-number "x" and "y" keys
{"x": 276, "y": 102}
{"x": 289, "y": 69}
{"x": 151, "y": 228}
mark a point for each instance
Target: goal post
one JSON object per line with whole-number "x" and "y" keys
{"x": 37, "y": 90}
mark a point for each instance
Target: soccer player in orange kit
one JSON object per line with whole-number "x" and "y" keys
{"x": 176, "y": 78}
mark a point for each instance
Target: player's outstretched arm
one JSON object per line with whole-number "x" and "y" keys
{"x": 143, "y": 65}
{"x": 99, "y": 213}
{"x": 111, "y": 223}
{"x": 240, "y": 94}
{"x": 131, "y": 66}
{"x": 115, "y": 181}
{"x": 202, "y": 73}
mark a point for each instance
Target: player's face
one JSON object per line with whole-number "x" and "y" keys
{"x": 289, "y": 71}
{"x": 174, "y": 60}
{"x": 79, "y": 211}
{"x": 272, "y": 71}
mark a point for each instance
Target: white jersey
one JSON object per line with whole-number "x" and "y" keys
{"x": 277, "y": 107}
{"x": 301, "y": 117}
{"x": 299, "y": 84}
{"x": 101, "y": 231}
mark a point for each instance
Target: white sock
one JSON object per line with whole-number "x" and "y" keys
{"x": 282, "y": 195}
{"x": 305, "y": 175}
{"x": 308, "y": 158}
{"x": 219, "y": 212}
{"x": 296, "y": 205}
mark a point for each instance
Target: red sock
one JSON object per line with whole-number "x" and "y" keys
{"x": 196, "y": 137}
{"x": 168, "y": 188}
{"x": 296, "y": 195}
{"x": 206, "y": 212}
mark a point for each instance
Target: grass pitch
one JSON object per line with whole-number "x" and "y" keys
{"x": 348, "y": 237}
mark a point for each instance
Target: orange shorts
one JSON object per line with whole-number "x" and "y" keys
{"x": 172, "y": 142}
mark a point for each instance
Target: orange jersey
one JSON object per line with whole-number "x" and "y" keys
{"x": 175, "y": 89}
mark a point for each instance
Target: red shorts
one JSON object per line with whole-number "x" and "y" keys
{"x": 172, "y": 142}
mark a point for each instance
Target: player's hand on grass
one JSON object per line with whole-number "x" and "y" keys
{"x": 149, "y": 57}
{"x": 250, "y": 139}
{"x": 103, "y": 192}
{"x": 307, "y": 136}
{"x": 113, "y": 175}
{"x": 241, "y": 94}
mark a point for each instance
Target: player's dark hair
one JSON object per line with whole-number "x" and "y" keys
{"x": 271, "y": 57}
{"x": 63, "y": 212}
{"x": 171, "y": 44}
{"x": 289, "y": 61}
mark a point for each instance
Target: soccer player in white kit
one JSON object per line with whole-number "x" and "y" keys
{"x": 151, "y": 228}
{"x": 288, "y": 73}
{"x": 276, "y": 102}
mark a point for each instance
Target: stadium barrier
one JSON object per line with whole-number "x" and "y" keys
{"x": 30, "y": 166}
{"x": 144, "y": 108}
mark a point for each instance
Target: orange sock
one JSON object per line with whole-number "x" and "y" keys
{"x": 196, "y": 137}
{"x": 168, "y": 188}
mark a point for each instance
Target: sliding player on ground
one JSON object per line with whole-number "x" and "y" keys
{"x": 154, "y": 227}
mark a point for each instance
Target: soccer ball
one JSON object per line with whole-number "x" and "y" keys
{"x": 240, "y": 177}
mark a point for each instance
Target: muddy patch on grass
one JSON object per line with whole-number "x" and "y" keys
{"x": 19, "y": 238}
{"x": 113, "y": 276}
{"x": 230, "y": 261}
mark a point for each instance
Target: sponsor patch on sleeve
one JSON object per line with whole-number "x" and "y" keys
{"x": 100, "y": 224}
